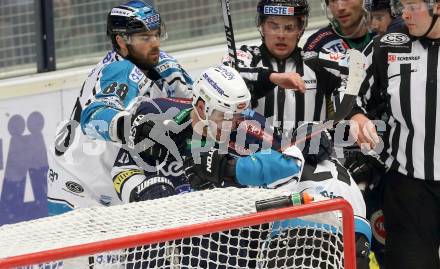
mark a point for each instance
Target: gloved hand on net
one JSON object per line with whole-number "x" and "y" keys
{"x": 209, "y": 170}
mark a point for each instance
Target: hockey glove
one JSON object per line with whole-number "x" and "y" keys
{"x": 315, "y": 148}
{"x": 365, "y": 167}
{"x": 138, "y": 138}
{"x": 152, "y": 188}
{"x": 209, "y": 171}
{"x": 362, "y": 251}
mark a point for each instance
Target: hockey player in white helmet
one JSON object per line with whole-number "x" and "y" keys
{"x": 198, "y": 144}
{"x": 321, "y": 176}
{"x": 177, "y": 134}
{"x": 213, "y": 134}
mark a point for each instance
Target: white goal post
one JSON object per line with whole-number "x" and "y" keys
{"x": 217, "y": 228}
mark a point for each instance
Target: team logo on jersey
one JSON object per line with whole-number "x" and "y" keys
{"x": 396, "y": 58}
{"x": 310, "y": 84}
{"x": 278, "y": 10}
{"x": 395, "y": 39}
{"x": 74, "y": 187}
{"x": 136, "y": 75}
{"x": 378, "y": 226}
{"x": 166, "y": 65}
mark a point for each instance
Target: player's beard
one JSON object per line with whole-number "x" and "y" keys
{"x": 141, "y": 61}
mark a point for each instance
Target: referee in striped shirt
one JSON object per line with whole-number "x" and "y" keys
{"x": 403, "y": 74}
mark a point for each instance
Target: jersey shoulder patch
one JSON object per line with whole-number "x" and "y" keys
{"x": 317, "y": 40}
{"x": 165, "y": 56}
{"x": 395, "y": 39}
{"x": 118, "y": 70}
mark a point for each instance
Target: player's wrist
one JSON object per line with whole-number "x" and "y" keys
{"x": 229, "y": 172}
{"x": 117, "y": 126}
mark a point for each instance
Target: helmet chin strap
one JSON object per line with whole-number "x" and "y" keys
{"x": 434, "y": 20}
{"x": 334, "y": 25}
{"x": 205, "y": 122}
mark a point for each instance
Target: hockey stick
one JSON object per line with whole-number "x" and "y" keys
{"x": 354, "y": 81}
{"x": 229, "y": 32}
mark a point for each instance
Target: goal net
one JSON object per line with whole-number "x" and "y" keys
{"x": 217, "y": 228}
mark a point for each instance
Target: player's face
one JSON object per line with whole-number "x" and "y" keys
{"x": 224, "y": 123}
{"x": 348, "y": 14}
{"x": 281, "y": 34}
{"x": 144, "y": 48}
{"x": 415, "y": 13}
{"x": 379, "y": 21}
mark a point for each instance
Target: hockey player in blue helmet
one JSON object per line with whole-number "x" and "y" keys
{"x": 135, "y": 67}
{"x": 135, "y": 30}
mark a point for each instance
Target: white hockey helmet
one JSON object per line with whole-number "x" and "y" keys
{"x": 223, "y": 90}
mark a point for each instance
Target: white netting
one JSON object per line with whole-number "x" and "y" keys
{"x": 268, "y": 245}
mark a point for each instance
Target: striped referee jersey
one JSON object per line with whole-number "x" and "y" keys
{"x": 286, "y": 108}
{"x": 402, "y": 76}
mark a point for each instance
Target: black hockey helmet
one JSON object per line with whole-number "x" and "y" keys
{"x": 374, "y": 5}
{"x": 282, "y": 8}
{"x": 133, "y": 17}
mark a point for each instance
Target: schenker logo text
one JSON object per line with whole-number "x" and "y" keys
{"x": 394, "y": 58}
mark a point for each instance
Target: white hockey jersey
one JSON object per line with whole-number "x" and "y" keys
{"x": 330, "y": 179}
{"x": 79, "y": 166}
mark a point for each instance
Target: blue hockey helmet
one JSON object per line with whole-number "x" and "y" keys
{"x": 134, "y": 17}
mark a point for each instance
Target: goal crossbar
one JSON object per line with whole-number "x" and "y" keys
{"x": 198, "y": 229}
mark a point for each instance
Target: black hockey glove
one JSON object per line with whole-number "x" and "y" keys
{"x": 316, "y": 148}
{"x": 152, "y": 188}
{"x": 364, "y": 167}
{"x": 362, "y": 251}
{"x": 209, "y": 172}
{"x": 138, "y": 137}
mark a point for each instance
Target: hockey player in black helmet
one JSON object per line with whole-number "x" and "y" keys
{"x": 278, "y": 65}
{"x": 285, "y": 86}
{"x": 381, "y": 18}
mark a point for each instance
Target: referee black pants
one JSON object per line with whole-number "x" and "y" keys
{"x": 412, "y": 222}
